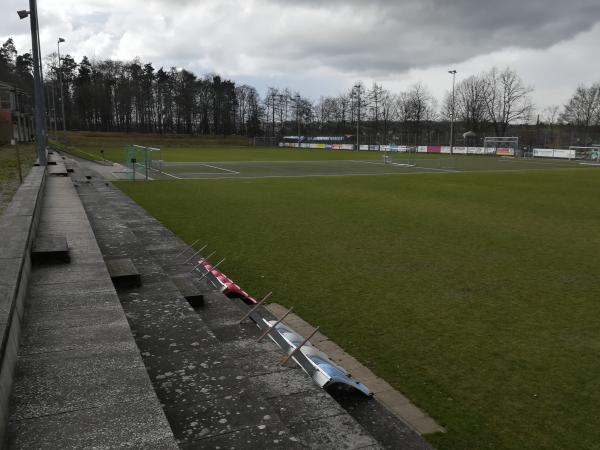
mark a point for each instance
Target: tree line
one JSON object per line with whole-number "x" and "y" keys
{"x": 109, "y": 95}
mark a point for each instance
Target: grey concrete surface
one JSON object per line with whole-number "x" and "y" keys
{"x": 79, "y": 381}
{"x": 18, "y": 225}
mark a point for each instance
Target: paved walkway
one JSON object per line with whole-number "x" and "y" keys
{"x": 217, "y": 385}
{"x": 80, "y": 381}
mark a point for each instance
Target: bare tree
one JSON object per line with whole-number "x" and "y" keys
{"x": 359, "y": 106}
{"x": 417, "y": 107}
{"x": 550, "y": 117}
{"x": 470, "y": 104}
{"x": 343, "y": 109}
{"x": 375, "y": 98}
{"x": 506, "y": 99}
{"x": 583, "y": 108}
{"x": 388, "y": 111}
{"x": 271, "y": 107}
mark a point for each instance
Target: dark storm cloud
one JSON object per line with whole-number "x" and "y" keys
{"x": 395, "y": 35}
{"x": 323, "y": 41}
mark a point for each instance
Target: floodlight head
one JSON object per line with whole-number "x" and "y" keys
{"x": 22, "y": 13}
{"x": 453, "y": 72}
{"x": 60, "y": 40}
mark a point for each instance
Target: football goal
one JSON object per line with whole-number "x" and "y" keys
{"x": 501, "y": 146}
{"x": 265, "y": 141}
{"x": 141, "y": 162}
{"x": 590, "y": 154}
{"x": 404, "y": 156}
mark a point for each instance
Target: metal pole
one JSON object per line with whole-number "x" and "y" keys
{"x": 47, "y": 94}
{"x": 297, "y": 349}
{"x": 146, "y": 161}
{"x": 62, "y": 98}
{"x": 187, "y": 248}
{"x": 53, "y": 107}
{"x": 255, "y": 307}
{"x": 40, "y": 129}
{"x": 298, "y": 117}
{"x": 273, "y": 116}
{"x": 37, "y": 26}
{"x": 453, "y": 72}
{"x": 198, "y": 251}
{"x": 202, "y": 261}
{"x": 272, "y": 327}
{"x": 357, "y": 116}
{"x": 213, "y": 268}
{"x": 18, "y": 160}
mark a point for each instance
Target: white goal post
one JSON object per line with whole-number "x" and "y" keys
{"x": 265, "y": 141}
{"x": 591, "y": 153}
{"x": 501, "y": 146}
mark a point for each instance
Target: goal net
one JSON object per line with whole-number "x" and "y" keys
{"x": 591, "y": 153}
{"x": 402, "y": 155}
{"x": 501, "y": 146}
{"x": 265, "y": 141}
{"x": 142, "y": 162}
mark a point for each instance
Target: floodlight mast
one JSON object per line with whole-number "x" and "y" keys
{"x": 357, "y": 87}
{"x": 62, "y": 98}
{"x": 297, "y": 98}
{"x": 40, "y": 108}
{"x": 453, "y": 73}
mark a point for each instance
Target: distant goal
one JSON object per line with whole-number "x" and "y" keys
{"x": 141, "y": 162}
{"x": 265, "y": 141}
{"x": 501, "y": 146}
{"x": 589, "y": 154}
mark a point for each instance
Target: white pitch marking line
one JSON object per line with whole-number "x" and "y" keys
{"x": 377, "y": 163}
{"x": 208, "y": 173}
{"x": 402, "y": 164}
{"x": 258, "y": 177}
{"x": 267, "y": 162}
{"x": 220, "y": 168}
{"x": 169, "y": 175}
{"x": 537, "y": 161}
{"x": 409, "y": 173}
{"x": 442, "y": 170}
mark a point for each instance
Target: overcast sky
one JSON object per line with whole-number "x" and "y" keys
{"x": 321, "y": 47}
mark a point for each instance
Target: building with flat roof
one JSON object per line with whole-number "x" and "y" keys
{"x": 16, "y": 114}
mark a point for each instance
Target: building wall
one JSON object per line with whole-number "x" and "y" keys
{"x": 16, "y": 115}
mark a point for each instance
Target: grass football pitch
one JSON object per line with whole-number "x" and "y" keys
{"x": 473, "y": 290}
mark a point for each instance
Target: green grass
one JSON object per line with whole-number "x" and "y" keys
{"x": 188, "y": 149}
{"x": 9, "y": 175}
{"x": 208, "y": 153}
{"x": 474, "y": 294}
{"x": 8, "y": 160}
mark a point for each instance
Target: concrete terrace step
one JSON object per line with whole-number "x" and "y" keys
{"x": 189, "y": 289}
{"x": 58, "y": 169}
{"x": 123, "y": 272}
{"x": 49, "y": 249}
{"x": 79, "y": 381}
